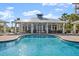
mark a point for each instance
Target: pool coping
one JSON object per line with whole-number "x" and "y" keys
{"x": 64, "y": 39}
{"x": 17, "y": 38}
{"x": 2, "y": 41}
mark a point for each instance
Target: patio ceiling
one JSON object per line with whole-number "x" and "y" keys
{"x": 75, "y": 22}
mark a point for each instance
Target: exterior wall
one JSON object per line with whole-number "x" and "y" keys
{"x": 76, "y": 8}
{"x": 41, "y": 28}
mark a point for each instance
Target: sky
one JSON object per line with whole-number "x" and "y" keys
{"x": 11, "y": 11}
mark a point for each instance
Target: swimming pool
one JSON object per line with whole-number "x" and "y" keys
{"x": 39, "y": 45}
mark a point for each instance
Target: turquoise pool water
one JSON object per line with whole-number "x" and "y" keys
{"x": 39, "y": 45}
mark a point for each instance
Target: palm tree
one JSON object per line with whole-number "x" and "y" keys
{"x": 70, "y": 18}
{"x": 73, "y": 17}
{"x": 13, "y": 28}
{"x": 1, "y": 25}
{"x": 1, "y": 28}
{"x": 64, "y": 17}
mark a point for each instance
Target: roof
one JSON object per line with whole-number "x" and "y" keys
{"x": 40, "y": 21}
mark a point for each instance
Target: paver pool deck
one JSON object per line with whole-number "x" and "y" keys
{"x": 8, "y": 37}
{"x": 74, "y": 38}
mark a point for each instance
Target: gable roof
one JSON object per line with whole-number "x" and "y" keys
{"x": 36, "y": 20}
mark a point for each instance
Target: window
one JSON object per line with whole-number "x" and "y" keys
{"x": 77, "y": 11}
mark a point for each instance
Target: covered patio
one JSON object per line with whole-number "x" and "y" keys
{"x": 39, "y": 26}
{"x": 75, "y": 23}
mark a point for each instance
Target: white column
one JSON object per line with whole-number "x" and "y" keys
{"x": 47, "y": 28}
{"x": 27, "y": 27}
{"x": 42, "y": 27}
{"x": 31, "y": 28}
{"x": 51, "y": 26}
{"x": 15, "y": 27}
{"x": 36, "y": 27}
{"x": 21, "y": 28}
{"x": 63, "y": 27}
{"x": 4, "y": 27}
{"x": 24, "y": 28}
{"x": 54, "y": 27}
{"x": 57, "y": 27}
{"x": 12, "y": 28}
{"x": 74, "y": 28}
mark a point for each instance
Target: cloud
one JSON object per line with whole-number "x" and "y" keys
{"x": 48, "y": 16}
{"x": 57, "y": 4}
{"x": 65, "y": 5}
{"x": 10, "y": 8}
{"x": 7, "y": 14}
{"x": 31, "y": 13}
{"x": 59, "y": 9}
{"x": 51, "y": 16}
{"x": 49, "y": 4}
